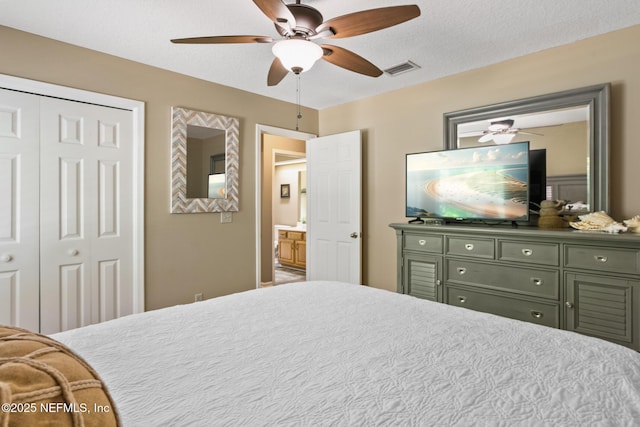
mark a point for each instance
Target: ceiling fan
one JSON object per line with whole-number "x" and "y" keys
{"x": 299, "y": 25}
{"x": 502, "y": 132}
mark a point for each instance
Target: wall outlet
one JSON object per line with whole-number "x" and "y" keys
{"x": 226, "y": 217}
{"x": 198, "y": 297}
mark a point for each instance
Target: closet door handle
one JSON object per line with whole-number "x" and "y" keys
{"x": 73, "y": 252}
{"x": 6, "y": 258}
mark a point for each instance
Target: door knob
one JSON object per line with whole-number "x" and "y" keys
{"x": 6, "y": 258}
{"x": 354, "y": 235}
{"x": 73, "y": 252}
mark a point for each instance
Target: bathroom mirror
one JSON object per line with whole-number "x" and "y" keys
{"x": 204, "y": 162}
{"x": 572, "y": 126}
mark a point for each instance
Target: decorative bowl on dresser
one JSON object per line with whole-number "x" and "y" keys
{"x": 586, "y": 282}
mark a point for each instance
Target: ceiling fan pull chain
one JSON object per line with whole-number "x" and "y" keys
{"x": 299, "y": 116}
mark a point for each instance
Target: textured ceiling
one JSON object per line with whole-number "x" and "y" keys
{"x": 451, "y": 36}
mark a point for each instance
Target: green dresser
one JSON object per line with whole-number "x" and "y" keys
{"x": 587, "y": 282}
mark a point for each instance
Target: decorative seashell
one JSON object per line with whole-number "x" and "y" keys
{"x": 583, "y": 225}
{"x": 599, "y": 218}
{"x": 616, "y": 227}
{"x": 633, "y": 224}
{"x": 598, "y": 221}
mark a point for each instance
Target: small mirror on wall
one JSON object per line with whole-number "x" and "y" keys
{"x": 204, "y": 162}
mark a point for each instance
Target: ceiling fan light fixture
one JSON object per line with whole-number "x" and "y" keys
{"x": 503, "y": 138}
{"x": 297, "y": 55}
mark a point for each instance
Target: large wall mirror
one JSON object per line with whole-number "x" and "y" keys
{"x": 572, "y": 127}
{"x": 204, "y": 162}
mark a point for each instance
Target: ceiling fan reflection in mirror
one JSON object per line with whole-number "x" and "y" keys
{"x": 300, "y": 25}
{"x": 503, "y": 132}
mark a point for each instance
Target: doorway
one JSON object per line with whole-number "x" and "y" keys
{"x": 269, "y": 141}
{"x": 288, "y": 209}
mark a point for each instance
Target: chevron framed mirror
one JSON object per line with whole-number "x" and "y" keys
{"x": 204, "y": 162}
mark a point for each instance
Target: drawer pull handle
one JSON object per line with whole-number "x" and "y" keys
{"x": 422, "y": 242}
{"x": 462, "y": 299}
{"x": 536, "y": 281}
{"x": 569, "y": 304}
{"x": 537, "y": 314}
{"x": 527, "y": 252}
{"x": 461, "y": 270}
{"x": 600, "y": 258}
{"x": 469, "y": 246}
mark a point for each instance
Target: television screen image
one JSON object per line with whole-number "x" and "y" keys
{"x": 488, "y": 182}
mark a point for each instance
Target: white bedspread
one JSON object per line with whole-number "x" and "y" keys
{"x": 321, "y": 353}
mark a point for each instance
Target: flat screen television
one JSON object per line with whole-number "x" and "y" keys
{"x": 478, "y": 183}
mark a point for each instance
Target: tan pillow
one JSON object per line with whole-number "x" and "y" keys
{"x": 43, "y": 383}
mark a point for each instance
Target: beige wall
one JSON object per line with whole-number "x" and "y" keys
{"x": 411, "y": 120}
{"x": 185, "y": 253}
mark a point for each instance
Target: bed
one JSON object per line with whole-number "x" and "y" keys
{"x": 327, "y": 353}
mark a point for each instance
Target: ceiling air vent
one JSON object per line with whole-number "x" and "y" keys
{"x": 405, "y": 67}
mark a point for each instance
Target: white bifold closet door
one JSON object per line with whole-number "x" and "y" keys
{"x": 82, "y": 194}
{"x": 19, "y": 214}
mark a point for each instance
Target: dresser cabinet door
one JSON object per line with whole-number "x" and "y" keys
{"x": 286, "y": 251}
{"x": 603, "y": 307}
{"x": 422, "y": 276}
{"x": 301, "y": 254}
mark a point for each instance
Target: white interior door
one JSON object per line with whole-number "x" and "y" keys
{"x": 86, "y": 214}
{"x": 334, "y": 230}
{"x": 19, "y": 212}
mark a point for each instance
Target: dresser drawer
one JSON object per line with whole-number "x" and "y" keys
{"x": 515, "y": 308}
{"x": 423, "y": 243}
{"x": 526, "y": 281}
{"x": 600, "y": 258}
{"x": 530, "y": 253}
{"x": 472, "y": 247}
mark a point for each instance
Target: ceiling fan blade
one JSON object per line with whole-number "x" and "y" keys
{"x": 346, "y": 59}
{"x": 368, "y": 21}
{"x": 278, "y": 12}
{"x": 223, "y": 40}
{"x": 277, "y": 72}
{"x": 486, "y": 137}
{"x": 530, "y": 133}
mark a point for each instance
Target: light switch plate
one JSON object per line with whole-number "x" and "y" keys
{"x": 226, "y": 217}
